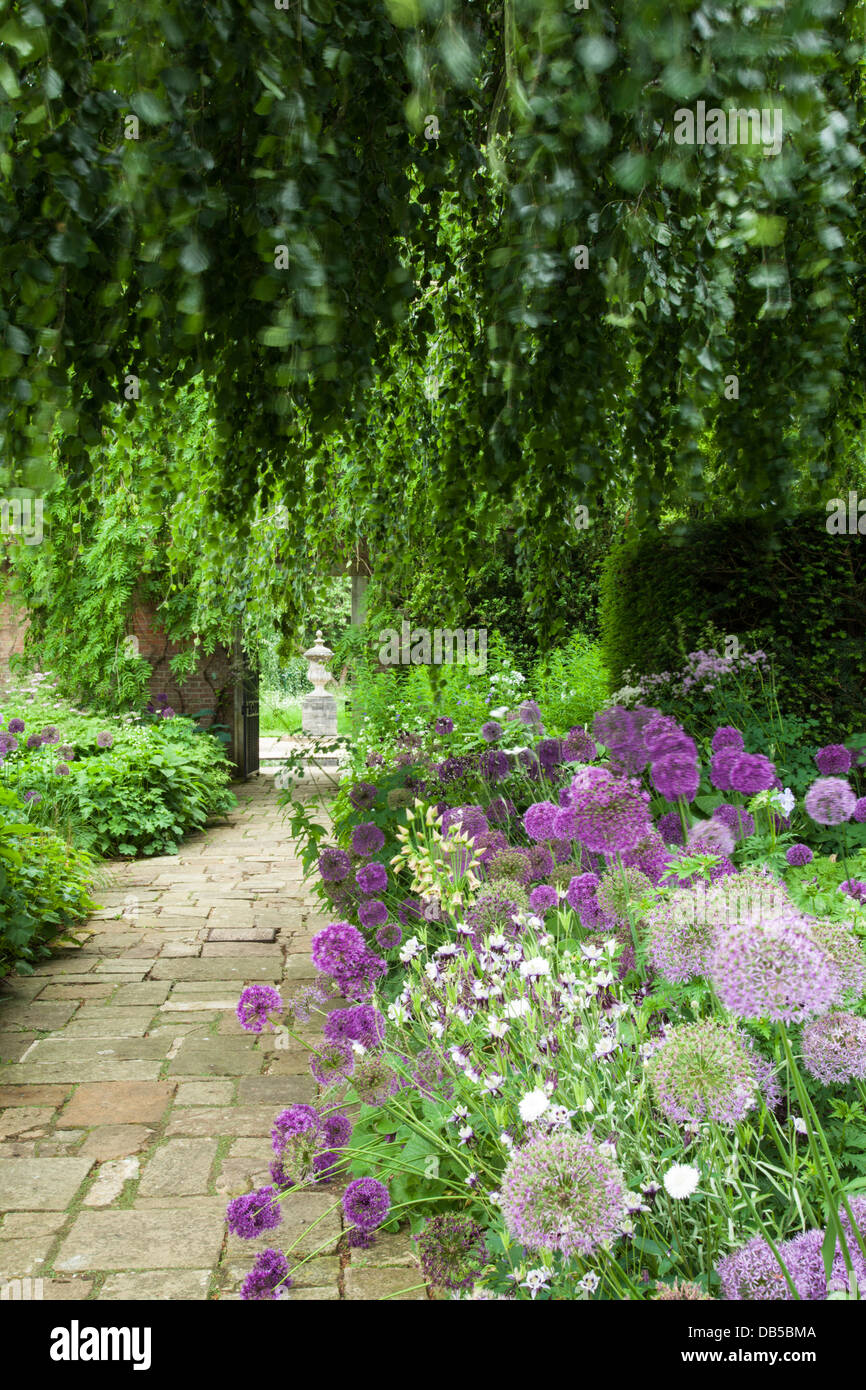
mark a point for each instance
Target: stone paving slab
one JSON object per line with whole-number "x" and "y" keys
{"x": 127, "y": 1240}
{"x": 40, "y": 1184}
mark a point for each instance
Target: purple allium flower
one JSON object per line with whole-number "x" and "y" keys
{"x": 372, "y": 913}
{"x": 538, "y": 820}
{"x": 664, "y": 735}
{"x": 836, "y": 939}
{"x": 854, "y": 888}
{"x": 104, "y": 739}
{"x": 511, "y": 864}
{"x": 620, "y": 730}
{"x": 495, "y": 908}
{"x": 670, "y": 827}
{"x": 581, "y": 891}
{"x": 500, "y": 810}
{"x": 367, "y": 838}
{"x": 726, "y": 736}
{"x": 720, "y": 767}
{"x": 334, "y": 864}
{"x": 772, "y": 970}
{"x": 409, "y": 910}
{"x": 493, "y": 764}
{"x": 558, "y": 1192}
{"x": 366, "y": 1203}
{"x": 798, "y": 854}
{"x": 611, "y": 814}
{"x": 363, "y": 1024}
{"x": 469, "y": 819}
{"x": 61, "y": 770}
{"x": 16, "y": 726}
{"x": 737, "y": 819}
{"x": 254, "y": 1005}
{"x": 839, "y": 1275}
{"x": 677, "y": 773}
{"x": 452, "y": 1251}
{"x": 167, "y": 712}
{"x": 34, "y": 741}
{"x": 540, "y": 863}
{"x": 363, "y": 795}
{"x": 751, "y": 773}
{"x": 834, "y": 1048}
{"x": 550, "y": 753}
{"x": 31, "y": 796}
{"x": 337, "y": 1130}
{"x": 340, "y": 950}
{"x": 444, "y": 725}
{"x": 710, "y": 837}
{"x": 578, "y": 747}
{"x": 268, "y": 1278}
{"x": 833, "y": 760}
{"x": 492, "y": 842}
{"x": 254, "y": 1213}
{"x": 334, "y": 1061}
{"x": 754, "y": 1274}
{"x": 389, "y": 936}
{"x": 860, "y": 809}
{"x": 491, "y": 731}
{"x": 529, "y": 712}
{"x": 374, "y": 1081}
{"x": 372, "y": 878}
{"x": 50, "y": 734}
{"x": 542, "y": 898}
{"x": 830, "y": 801}
{"x": 704, "y": 1071}
{"x": 298, "y": 1122}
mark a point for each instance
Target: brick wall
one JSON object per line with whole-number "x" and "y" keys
{"x": 13, "y": 625}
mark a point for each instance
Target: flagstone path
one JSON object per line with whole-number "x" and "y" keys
{"x": 132, "y": 1104}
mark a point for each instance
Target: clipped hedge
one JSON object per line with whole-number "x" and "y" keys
{"x": 787, "y": 586}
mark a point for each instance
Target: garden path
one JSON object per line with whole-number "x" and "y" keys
{"x": 133, "y": 1105}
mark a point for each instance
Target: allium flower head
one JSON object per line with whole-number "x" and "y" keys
{"x": 670, "y": 827}
{"x": 254, "y": 1005}
{"x": 860, "y": 809}
{"x": 452, "y": 1251}
{"x": 51, "y": 735}
{"x": 444, "y": 725}
{"x": 751, "y": 773}
{"x": 618, "y": 888}
{"x": 710, "y": 837}
{"x": 332, "y": 1062}
{"x": 104, "y": 739}
{"x": 559, "y": 1192}
{"x": 491, "y": 731}
{"x": 367, "y": 838}
{"x": 373, "y": 1080}
{"x": 538, "y": 820}
{"x": 334, "y": 864}
{"x": 611, "y": 814}
{"x": 249, "y": 1216}
{"x": 268, "y": 1278}
{"x": 298, "y": 1122}
{"x": 363, "y": 1023}
{"x": 772, "y": 970}
{"x": 834, "y": 1048}
{"x": 542, "y": 898}
{"x": 16, "y": 726}
{"x": 372, "y": 878}
{"x": 727, "y": 737}
{"x": 388, "y": 938}
{"x": 495, "y": 908}
{"x": 754, "y": 1274}
{"x": 737, "y": 819}
{"x": 363, "y": 795}
{"x": 366, "y": 1203}
{"x": 677, "y": 772}
{"x": 798, "y": 854}
{"x": 34, "y": 741}
{"x": 837, "y": 939}
{"x": 471, "y": 820}
{"x": 578, "y": 747}
{"x": 704, "y": 1070}
{"x": 372, "y": 913}
{"x": 834, "y": 760}
{"x": 511, "y": 864}
{"x": 830, "y": 801}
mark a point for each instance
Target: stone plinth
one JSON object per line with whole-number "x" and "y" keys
{"x": 319, "y": 715}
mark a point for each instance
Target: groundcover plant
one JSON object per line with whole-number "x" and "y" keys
{"x": 593, "y": 1034}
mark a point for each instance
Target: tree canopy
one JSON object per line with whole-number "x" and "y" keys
{"x": 436, "y": 264}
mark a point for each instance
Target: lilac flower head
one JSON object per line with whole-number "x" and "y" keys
{"x": 254, "y": 1005}
{"x": 830, "y": 801}
{"x": 491, "y": 731}
{"x": 104, "y": 739}
{"x": 726, "y": 736}
{"x": 834, "y": 1048}
{"x": 367, "y": 838}
{"x": 751, "y": 773}
{"x": 444, "y": 725}
{"x": 363, "y": 795}
{"x": 772, "y": 970}
{"x": 538, "y": 820}
{"x": 334, "y": 864}
{"x": 834, "y": 760}
{"x": 254, "y": 1213}
{"x": 268, "y": 1278}
{"x": 559, "y": 1192}
{"x": 366, "y": 1203}
{"x": 798, "y": 854}
{"x": 372, "y": 878}
{"x": 452, "y": 1251}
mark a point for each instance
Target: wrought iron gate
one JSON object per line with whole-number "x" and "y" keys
{"x": 250, "y": 713}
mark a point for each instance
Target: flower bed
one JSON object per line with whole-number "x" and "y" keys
{"x": 116, "y": 785}
{"x": 602, "y": 1030}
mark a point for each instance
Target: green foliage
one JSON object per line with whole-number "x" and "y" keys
{"x": 156, "y": 783}
{"x": 44, "y": 887}
{"x": 571, "y": 684}
{"x": 396, "y": 339}
{"x": 789, "y": 588}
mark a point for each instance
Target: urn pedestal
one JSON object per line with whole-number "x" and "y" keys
{"x": 319, "y": 709}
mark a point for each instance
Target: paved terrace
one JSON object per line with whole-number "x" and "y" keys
{"x": 132, "y": 1104}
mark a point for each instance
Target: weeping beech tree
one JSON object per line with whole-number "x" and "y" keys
{"x": 439, "y": 266}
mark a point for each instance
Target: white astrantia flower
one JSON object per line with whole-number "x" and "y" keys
{"x": 359, "y": 1049}
{"x": 410, "y": 949}
{"x": 533, "y": 1106}
{"x": 681, "y": 1180}
{"x": 437, "y": 1029}
{"x": 609, "y": 1150}
{"x": 516, "y": 1008}
{"x": 537, "y": 966}
{"x": 604, "y": 1047}
{"x": 496, "y": 1027}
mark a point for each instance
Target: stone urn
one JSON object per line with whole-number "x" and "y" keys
{"x": 319, "y": 709}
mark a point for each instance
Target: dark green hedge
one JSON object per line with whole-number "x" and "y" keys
{"x": 789, "y": 587}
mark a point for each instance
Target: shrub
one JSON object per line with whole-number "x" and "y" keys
{"x": 790, "y": 588}
{"x": 43, "y": 887}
